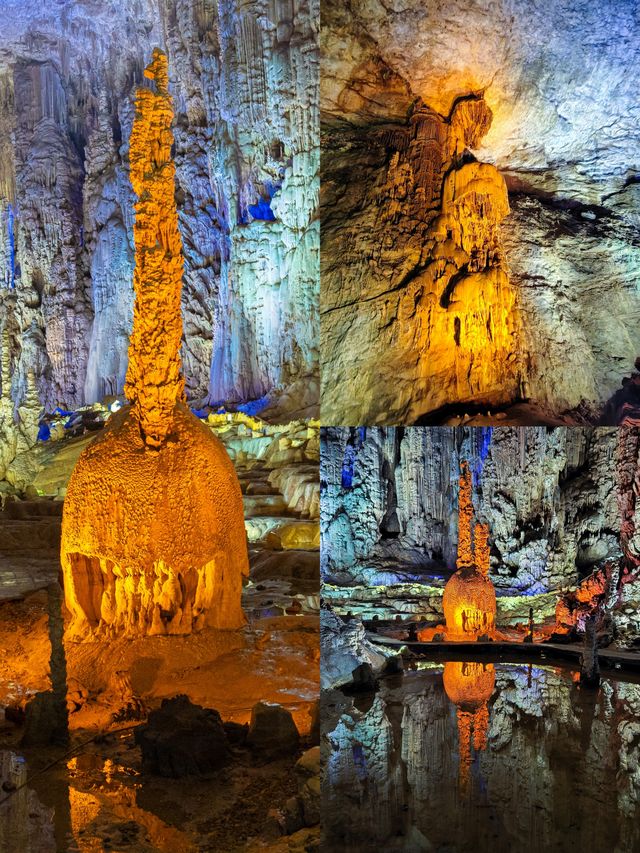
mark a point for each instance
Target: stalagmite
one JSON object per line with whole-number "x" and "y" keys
{"x": 153, "y": 538}
{"x": 465, "y": 517}
{"x": 438, "y": 299}
{"x": 469, "y": 598}
{"x": 482, "y": 550}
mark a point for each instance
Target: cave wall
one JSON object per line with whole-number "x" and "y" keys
{"x": 560, "y": 83}
{"x": 552, "y": 497}
{"x": 244, "y": 81}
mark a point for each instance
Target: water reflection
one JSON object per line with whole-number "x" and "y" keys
{"x": 477, "y": 757}
{"x": 86, "y": 804}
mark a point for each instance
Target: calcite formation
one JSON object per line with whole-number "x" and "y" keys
{"x": 437, "y": 299}
{"x": 469, "y": 598}
{"x": 154, "y": 378}
{"x": 245, "y": 77}
{"x": 565, "y": 314}
{"x": 153, "y": 538}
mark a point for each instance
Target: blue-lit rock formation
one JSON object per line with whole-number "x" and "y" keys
{"x": 561, "y": 81}
{"x": 551, "y": 498}
{"x": 244, "y": 81}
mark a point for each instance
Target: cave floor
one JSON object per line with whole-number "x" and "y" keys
{"x": 94, "y": 797}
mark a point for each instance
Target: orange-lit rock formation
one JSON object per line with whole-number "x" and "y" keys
{"x": 469, "y": 686}
{"x": 465, "y": 517}
{"x": 154, "y": 381}
{"x": 423, "y": 240}
{"x": 469, "y": 598}
{"x": 153, "y": 538}
{"x": 482, "y": 549}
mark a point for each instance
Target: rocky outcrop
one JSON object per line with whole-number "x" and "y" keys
{"x": 344, "y": 648}
{"x": 182, "y": 739}
{"x": 543, "y": 309}
{"x": 244, "y": 78}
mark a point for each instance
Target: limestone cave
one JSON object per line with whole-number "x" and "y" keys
{"x": 159, "y": 441}
{"x": 480, "y": 638}
{"x": 480, "y": 207}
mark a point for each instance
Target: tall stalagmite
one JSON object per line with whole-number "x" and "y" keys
{"x": 427, "y": 317}
{"x": 153, "y": 538}
{"x": 154, "y": 380}
{"x": 469, "y": 598}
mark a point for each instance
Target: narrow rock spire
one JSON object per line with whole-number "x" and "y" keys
{"x": 154, "y": 377}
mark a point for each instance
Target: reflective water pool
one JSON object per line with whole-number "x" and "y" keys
{"x": 466, "y": 757}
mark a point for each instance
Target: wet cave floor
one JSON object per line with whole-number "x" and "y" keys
{"x": 472, "y": 755}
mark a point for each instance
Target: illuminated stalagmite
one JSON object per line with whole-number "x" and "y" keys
{"x": 469, "y": 598}
{"x": 469, "y": 686}
{"x": 424, "y": 240}
{"x": 153, "y": 538}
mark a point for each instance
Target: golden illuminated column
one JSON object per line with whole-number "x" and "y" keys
{"x": 469, "y": 598}
{"x": 153, "y": 537}
{"x": 465, "y": 518}
{"x": 482, "y": 550}
{"x": 154, "y": 380}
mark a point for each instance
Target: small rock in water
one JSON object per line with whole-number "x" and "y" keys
{"x": 272, "y": 732}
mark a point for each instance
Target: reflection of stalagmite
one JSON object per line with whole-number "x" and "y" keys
{"x": 153, "y": 538}
{"x": 469, "y": 598}
{"x": 469, "y": 686}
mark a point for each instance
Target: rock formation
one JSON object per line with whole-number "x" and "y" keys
{"x": 418, "y": 99}
{"x": 444, "y": 279}
{"x": 153, "y": 538}
{"x": 244, "y": 77}
{"x": 469, "y": 597}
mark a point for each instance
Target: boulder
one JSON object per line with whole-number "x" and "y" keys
{"x": 182, "y": 739}
{"x": 272, "y": 732}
